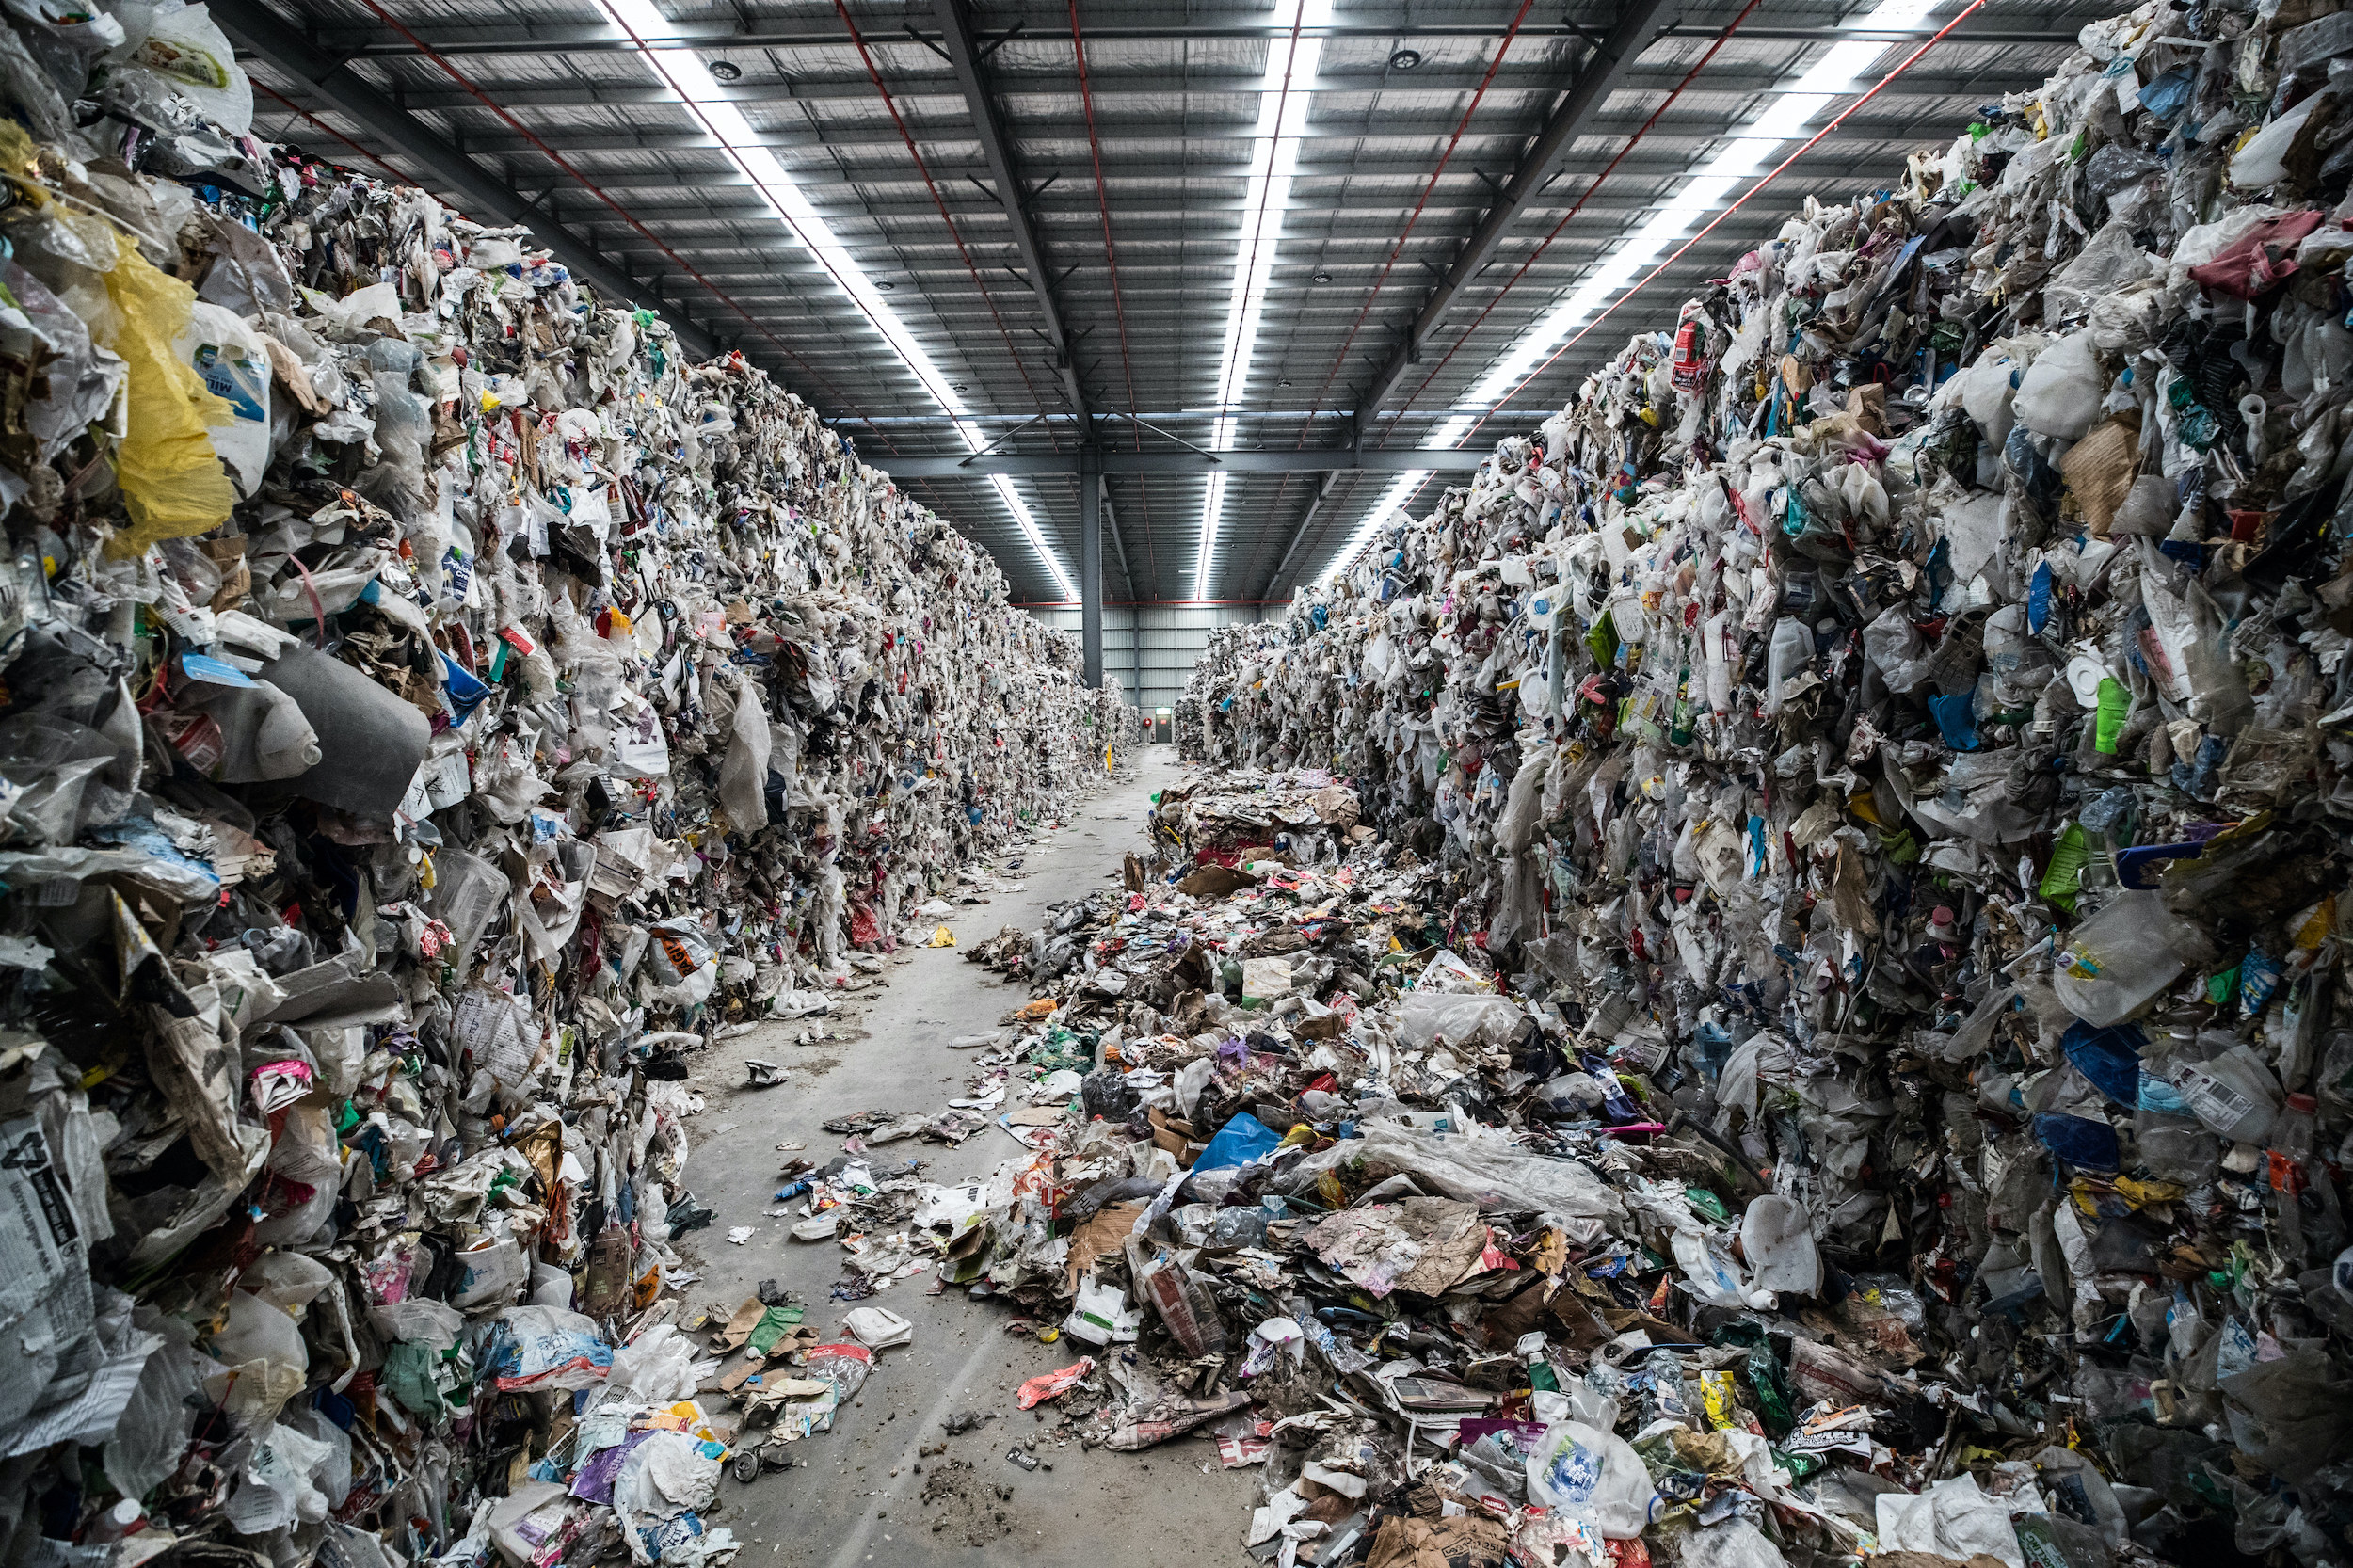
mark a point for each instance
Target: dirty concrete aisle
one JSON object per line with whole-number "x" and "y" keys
{"x": 859, "y": 1499}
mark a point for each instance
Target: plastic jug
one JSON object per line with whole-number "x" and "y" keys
{"x": 2120, "y": 957}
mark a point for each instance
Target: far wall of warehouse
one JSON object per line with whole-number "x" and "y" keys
{"x": 1150, "y": 648}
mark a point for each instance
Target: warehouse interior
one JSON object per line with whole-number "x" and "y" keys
{"x": 1262, "y": 783}
{"x": 988, "y": 243}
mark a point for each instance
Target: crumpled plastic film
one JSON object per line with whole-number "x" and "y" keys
{"x": 171, "y": 478}
{"x": 434, "y": 709}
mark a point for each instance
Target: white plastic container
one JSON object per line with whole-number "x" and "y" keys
{"x": 2121, "y": 957}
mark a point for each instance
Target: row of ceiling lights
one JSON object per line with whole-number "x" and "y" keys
{"x": 1834, "y": 73}
{"x": 1402, "y": 60}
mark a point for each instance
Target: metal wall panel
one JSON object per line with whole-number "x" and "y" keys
{"x": 1151, "y": 649}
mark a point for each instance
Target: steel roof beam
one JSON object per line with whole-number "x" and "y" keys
{"x": 1604, "y": 67}
{"x": 1379, "y": 219}
{"x": 964, "y": 55}
{"x": 1691, "y": 124}
{"x": 1310, "y": 460}
{"x": 997, "y": 152}
{"x": 556, "y": 93}
{"x": 571, "y": 139}
{"x": 1189, "y": 204}
{"x": 597, "y": 38}
{"x": 1315, "y": 503}
{"x": 698, "y": 223}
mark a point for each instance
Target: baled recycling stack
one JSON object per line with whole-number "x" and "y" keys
{"x": 431, "y": 703}
{"x": 1896, "y": 729}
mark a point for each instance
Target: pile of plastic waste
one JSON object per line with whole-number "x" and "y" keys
{"x": 1887, "y": 743}
{"x": 1224, "y": 654}
{"x": 1306, "y": 1171}
{"x": 431, "y": 706}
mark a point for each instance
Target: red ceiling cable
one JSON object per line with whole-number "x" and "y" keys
{"x": 1111, "y": 259}
{"x": 1771, "y": 175}
{"x": 904, "y": 135}
{"x": 1414, "y": 217}
{"x": 1774, "y": 173}
{"x": 315, "y": 120}
{"x": 594, "y": 189}
{"x": 1721, "y": 39}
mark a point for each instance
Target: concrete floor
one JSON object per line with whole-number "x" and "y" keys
{"x": 858, "y": 1500}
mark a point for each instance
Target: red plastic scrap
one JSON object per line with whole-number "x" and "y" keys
{"x": 2249, "y": 266}
{"x": 1046, "y": 1385}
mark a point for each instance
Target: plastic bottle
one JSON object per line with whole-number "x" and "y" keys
{"x": 2290, "y": 1154}
{"x": 1791, "y": 651}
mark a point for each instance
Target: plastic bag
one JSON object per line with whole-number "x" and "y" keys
{"x": 2120, "y": 958}
{"x": 1776, "y": 1233}
{"x": 743, "y": 774}
{"x": 544, "y": 1347}
{"x": 171, "y": 475}
{"x": 1474, "y": 1167}
{"x": 656, "y": 1368}
{"x": 1734, "y": 1544}
{"x": 226, "y": 355}
{"x": 185, "y": 51}
{"x": 151, "y": 1438}
{"x": 1238, "y": 1143}
{"x": 1591, "y": 1476}
{"x": 877, "y": 1328}
{"x": 2061, "y": 394}
{"x": 264, "y": 1350}
{"x": 1466, "y": 1021}
{"x": 2262, "y": 162}
{"x": 1048, "y": 1386}
{"x": 2108, "y": 261}
{"x": 1953, "y": 1518}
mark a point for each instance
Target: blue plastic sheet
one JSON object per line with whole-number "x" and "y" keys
{"x": 2110, "y": 1058}
{"x": 1238, "y": 1143}
{"x": 2077, "y": 1140}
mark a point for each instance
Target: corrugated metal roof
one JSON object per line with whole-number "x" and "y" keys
{"x": 550, "y": 98}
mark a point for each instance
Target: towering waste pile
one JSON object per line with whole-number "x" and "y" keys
{"x": 430, "y": 702}
{"x": 1904, "y": 714}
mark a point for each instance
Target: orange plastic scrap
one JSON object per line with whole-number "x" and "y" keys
{"x": 1046, "y": 1385}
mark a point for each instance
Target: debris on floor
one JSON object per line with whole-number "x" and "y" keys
{"x": 1762, "y": 985}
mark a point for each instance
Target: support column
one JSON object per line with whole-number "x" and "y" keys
{"x": 1090, "y": 561}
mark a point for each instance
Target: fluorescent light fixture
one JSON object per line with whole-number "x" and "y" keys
{"x": 1794, "y": 105}
{"x": 1284, "y": 94}
{"x": 683, "y": 73}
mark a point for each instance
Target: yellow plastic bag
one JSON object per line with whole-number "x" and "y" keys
{"x": 171, "y": 478}
{"x": 943, "y": 937}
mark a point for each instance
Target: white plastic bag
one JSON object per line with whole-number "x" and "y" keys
{"x": 2060, "y": 396}
{"x": 877, "y": 1328}
{"x": 267, "y": 1361}
{"x": 1592, "y": 1475}
{"x": 1953, "y": 1518}
{"x": 2263, "y": 162}
{"x": 1777, "y": 1235}
{"x": 656, "y": 1368}
{"x": 226, "y": 355}
{"x": 1463, "y": 1019}
{"x": 181, "y": 48}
